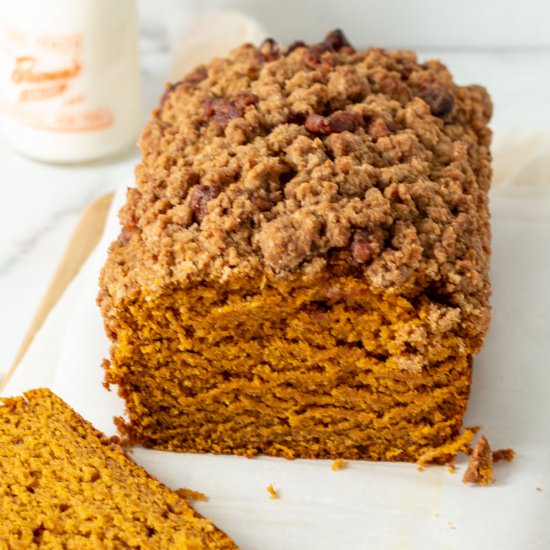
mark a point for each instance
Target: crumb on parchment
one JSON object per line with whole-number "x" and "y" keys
{"x": 273, "y": 494}
{"x": 480, "y": 467}
{"x": 338, "y": 464}
{"x": 190, "y": 494}
{"x": 504, "y": 454}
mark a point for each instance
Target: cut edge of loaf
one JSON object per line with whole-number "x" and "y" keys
{"x": 309, "y": 361}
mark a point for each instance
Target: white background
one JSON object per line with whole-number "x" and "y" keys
{"x": 386, "y": 23}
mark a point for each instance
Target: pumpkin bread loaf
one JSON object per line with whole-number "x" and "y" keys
{"x": 63, "y": 484}
{"x": 303, "y": 265}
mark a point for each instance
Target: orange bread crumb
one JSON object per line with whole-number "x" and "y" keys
{"x": 338, "y": 464}
{"x": 272, "y": 492}
{"x": 190, "y": 494}
{"x": 446, "y": 453}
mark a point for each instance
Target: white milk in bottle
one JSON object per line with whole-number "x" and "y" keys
{"x": 69, "y": 77}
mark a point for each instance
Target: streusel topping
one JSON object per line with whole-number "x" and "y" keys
{"x": 276, "y": 159}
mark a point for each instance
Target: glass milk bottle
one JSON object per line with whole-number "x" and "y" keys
{"x": 69, "y": 77}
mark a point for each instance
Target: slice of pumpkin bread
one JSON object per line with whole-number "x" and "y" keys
{"x": 303, "y": 266}
{"x": 63, "y": 484}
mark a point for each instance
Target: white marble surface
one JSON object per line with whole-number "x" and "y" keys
{"x": 40, "y": 203}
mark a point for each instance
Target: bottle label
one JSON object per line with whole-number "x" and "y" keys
{"x": 45, "y": 83}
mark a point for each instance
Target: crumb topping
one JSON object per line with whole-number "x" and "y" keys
{"x": 480, "y": 467}
{"x": 503, "y": 454}
{"x": 278, "y": 160}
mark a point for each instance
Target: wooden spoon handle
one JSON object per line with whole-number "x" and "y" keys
{"x": 84, "y": 239}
